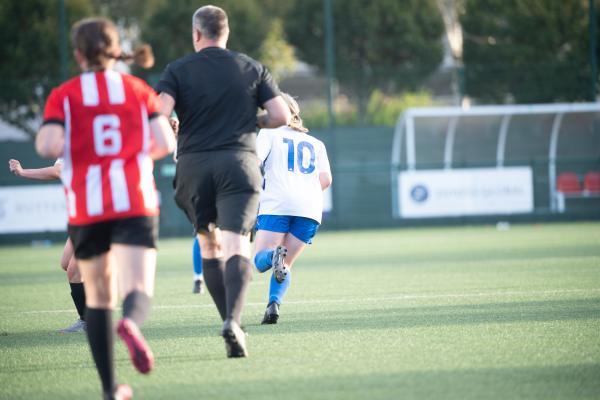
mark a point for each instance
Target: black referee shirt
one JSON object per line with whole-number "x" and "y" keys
{"x": 217, "y": 93}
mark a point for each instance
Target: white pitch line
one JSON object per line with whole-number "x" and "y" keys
{"x": 364, "y": 300}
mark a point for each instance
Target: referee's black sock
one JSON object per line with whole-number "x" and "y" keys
{"x": 238, "y": 274}
{"x": 136, "y": 307}
{"x": 78, "y": 296}
{"x": 101, "y": 337}
{"x": 213, "y": 270}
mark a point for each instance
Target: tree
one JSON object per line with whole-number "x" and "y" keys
{"x": 527, "y": 50}
{"x": 169, "y": 29}
{"x": 276, "y": 53}
{"x": 387, "y": 44}
{"x": 127, "y": 12}
{"x": 29, "y": 51}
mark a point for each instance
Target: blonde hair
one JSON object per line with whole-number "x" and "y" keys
{"x": 296, "y": 122}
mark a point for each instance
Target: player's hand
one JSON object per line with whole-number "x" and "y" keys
{"x": 15, "y": 167}
{"x": 174, "y": 125}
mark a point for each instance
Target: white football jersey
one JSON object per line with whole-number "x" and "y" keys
{"x": 292, "y": 162}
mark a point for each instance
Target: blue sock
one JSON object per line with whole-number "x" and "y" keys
{"x": 263, "y": 260}
{"x": 197, "y": 260}
{"x": 278, "y": 290}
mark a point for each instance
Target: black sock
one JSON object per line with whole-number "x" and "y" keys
{"x": 238, "y": 274}
{"x": 101, "y": 338}
{"x": 78, "y": 296}
{"x": 213, "y": 270}
{"x": 136, "y": 307}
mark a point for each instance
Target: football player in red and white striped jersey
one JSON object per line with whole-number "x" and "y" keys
{"x": 106, "y": 127}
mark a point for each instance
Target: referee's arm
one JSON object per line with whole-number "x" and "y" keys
{"x": 167, "y": 104}
{"x": 277, "y": 114}
{"x": 168, "y": 90}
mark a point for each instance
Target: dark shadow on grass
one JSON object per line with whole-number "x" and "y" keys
{"x": 571, "y": 381}
{"x": 431, "y": 316}
{"x": 436, "y": 257}
{"x": 325, "y": 319}
{"x": 42, "y": 338}
{"x": 410, "y": 317}
{"x": 65, "y": 365}
{"x": 405, "y": 317}
{"x": 578, "y": 381}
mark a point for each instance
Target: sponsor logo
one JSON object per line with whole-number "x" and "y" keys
{"x": 419, "y": 193}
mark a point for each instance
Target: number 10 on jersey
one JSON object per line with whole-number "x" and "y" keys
{"x": 299, "y": 151}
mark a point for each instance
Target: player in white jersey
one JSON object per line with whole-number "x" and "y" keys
{"x": 67, "y": 261}
{"x": 296, "y": 171}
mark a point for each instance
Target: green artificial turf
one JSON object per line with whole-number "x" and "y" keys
{"x": 446, "y": 313}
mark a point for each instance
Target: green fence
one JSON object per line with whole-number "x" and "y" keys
{"x": 362, "y": 197}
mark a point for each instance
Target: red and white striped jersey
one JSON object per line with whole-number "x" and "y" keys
{"x": 107, "y": 169}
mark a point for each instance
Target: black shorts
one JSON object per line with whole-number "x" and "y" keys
{"x": 220, "y": 187}
{"x": 94, "y": 239}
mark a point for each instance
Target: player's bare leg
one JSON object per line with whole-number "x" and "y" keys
{"x": 294, "y": 247}
{"x": 67, "y": 254}
{"x": 268, "y": 250}
{"x": 267, "y": 240}
{"x": 137, "y": 266}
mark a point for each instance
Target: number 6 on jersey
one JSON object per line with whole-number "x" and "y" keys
{"x": 107, "y": 136}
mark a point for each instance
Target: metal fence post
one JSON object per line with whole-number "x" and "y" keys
{"x": 593, "y": 44}
{"x": 329, "y": 58}
{"x": 62, "y": 29}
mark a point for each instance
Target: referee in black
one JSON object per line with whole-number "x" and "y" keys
{"x": 216, "y": 94}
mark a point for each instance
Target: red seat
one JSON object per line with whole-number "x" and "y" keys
{"x": 568, "y": 183}
{"x": 591, "y": 182}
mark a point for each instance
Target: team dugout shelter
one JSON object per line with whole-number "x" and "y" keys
{"x": 496, "y": 160}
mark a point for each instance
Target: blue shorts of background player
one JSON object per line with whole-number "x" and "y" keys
{"x": 302, "y": 228}
{"x": 279, "y": 241}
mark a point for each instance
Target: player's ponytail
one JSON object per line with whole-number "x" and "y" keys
{"x": 296, "y": 122}
{"x": 142, "y": 56}
{"x": 97, "y": 40}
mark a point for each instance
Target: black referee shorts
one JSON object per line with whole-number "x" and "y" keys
{"x": 95, "y": 239}
{"x": 220, "y": 187}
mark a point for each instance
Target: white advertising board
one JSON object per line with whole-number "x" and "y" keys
{"x": 25, "y": 209}
{"x": 462, "y": 192}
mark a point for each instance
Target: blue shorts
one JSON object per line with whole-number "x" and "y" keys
{"x": 302, "y": 228}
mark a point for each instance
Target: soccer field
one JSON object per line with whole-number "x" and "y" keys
{"x": 452, "y": 313}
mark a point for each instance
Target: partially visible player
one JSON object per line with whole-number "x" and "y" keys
{"x": 198, "y": 287}
{"x": 197, "y": 261}
{"x": 67, "y": 261}
{"x": 296, "y": 171}
{"x": 107, "y": 128}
